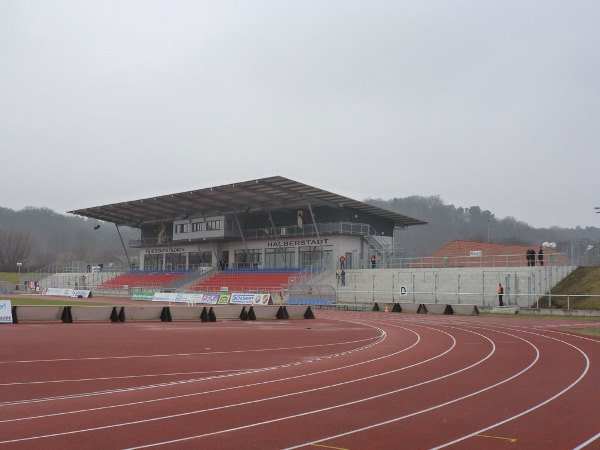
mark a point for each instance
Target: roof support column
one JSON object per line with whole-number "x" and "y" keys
{"x": 272, "y": 224}
{"x": 242, "y": 235}
{"x": 123, "y": 244}
{"x": 312, "y": 216}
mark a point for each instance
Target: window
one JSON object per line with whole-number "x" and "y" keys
{"x": 213, "y": 224}
{"x": 197, "y": 226}
{"x": 182, "y": 228}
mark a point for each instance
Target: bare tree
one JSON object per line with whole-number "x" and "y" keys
{"x": 15, "y": 247}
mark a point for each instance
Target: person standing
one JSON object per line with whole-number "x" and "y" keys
{"x": 500, "y": 294}
{"x": 373, "y": 261}
{"x": 342, "y": 262}
{"x": 541, "y": 256}
{"x": 343, "y": 278}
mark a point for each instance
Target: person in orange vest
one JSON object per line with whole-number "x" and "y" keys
{"x": 500, "y": 294}
{"x": 342, "y": 262}
{"x": 373, "y": 261}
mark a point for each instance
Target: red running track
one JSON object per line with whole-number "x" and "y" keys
{"x": 345, "y": 380}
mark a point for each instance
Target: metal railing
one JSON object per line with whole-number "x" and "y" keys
{"x": 512, "y": 260}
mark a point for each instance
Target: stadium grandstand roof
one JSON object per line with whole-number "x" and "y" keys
{"x": 263, "y": 194}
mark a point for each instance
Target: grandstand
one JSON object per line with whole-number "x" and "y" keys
{"x": 252, "y": 280}
{"x": 275, "y": 235}
{"x": 269, "y": 223}
{"x": 142, "y": 278}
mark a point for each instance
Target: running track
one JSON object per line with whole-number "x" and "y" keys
{"x": 345, "y": 380}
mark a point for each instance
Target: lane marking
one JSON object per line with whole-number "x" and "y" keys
{"x": 511, "y": 440}
{"x": 268, "y": 398}
{"x": 104, "y": 358}
{"x": 586, "y": 443}
{"x": 328, "y": 446}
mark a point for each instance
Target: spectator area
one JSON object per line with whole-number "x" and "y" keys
{"x": 143, "y": 278}
{"x": 251, "y": 280}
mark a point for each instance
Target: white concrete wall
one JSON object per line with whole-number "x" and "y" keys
{"x": 523, "y": 285}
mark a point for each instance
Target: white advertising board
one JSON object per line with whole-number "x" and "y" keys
{"x": 6, "y": 311}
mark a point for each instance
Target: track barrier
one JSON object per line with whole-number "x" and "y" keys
{"x": 38, "y": 314}
{"x": 133, "y": 313}
{"x": 466, "y": 310}
{"x": 299, "y": 312}
{"x": 227, "y": 312}
{"x": 438, "y": 308}
{"x": 415, "y": 308}
{"x": 282, "y": 313}
{"x": 122, "y": 314}
{"x": 91, "y": 313}
{"x": 184, "y": 313}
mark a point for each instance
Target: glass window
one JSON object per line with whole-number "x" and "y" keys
{"x": 279, "y": 258}
{"x": 153, "y": 262}
{"x": 317, "y": 256}
{"x": 247, "y": 260}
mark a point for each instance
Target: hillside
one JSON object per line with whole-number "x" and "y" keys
{"x": 584, "y": 281}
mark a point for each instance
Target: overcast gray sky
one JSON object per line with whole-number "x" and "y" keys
{"x": 488, "y": 103}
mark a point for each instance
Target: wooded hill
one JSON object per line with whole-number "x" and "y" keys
{"x": 39, "y": 236}
{"x": 447, "y": 222}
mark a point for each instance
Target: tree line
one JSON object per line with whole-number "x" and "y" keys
{"x": 37, "y": 237}
{"x": 448, "y": 222}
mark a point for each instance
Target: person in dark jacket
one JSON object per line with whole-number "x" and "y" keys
{"x": 500, "y": 294}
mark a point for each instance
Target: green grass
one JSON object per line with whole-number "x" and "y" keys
{"x": 9, "y": 276}
{"x": 18, "y": 301}
{"x": 584, "y": 281}
{"x": 586, "y": 331}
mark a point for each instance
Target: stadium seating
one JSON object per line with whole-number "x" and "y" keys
{"x": 143, "y": 278}
{"x": 251, "y": 280}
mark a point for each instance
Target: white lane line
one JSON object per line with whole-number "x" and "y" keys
{"x": 124, "y": 377}
{"x": 258, "y": 400}
{"x": 588, "y": 442}
{"x": 539, "y": 405}
{"x": 193, "y": 380}
{"x": 176, "y": 355}
{"x": 221, "y": 389}
{"x": 329, "y": 408}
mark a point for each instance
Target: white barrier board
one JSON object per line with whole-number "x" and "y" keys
{"x": 6, "y": 311}
{"x": 64, "y": 292}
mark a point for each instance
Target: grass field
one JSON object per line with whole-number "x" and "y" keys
{"x": 9, "y": 276}
{"x": 19, "y": 301}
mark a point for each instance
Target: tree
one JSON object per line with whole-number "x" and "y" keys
{"x": 15, "y": 247}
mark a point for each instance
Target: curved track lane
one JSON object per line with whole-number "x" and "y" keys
{"x": 345, "y": 380}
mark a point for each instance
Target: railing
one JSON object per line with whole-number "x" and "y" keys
{"x": 325, "y": 229}
{"x": 280, "y": 232}
{"x": 523, "y": 286}
{"x": 514, "y": 260}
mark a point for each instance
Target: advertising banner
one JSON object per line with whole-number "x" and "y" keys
{"x": 242, "y": 299}
{"x": 210, "y": 299}
{"x": 143, "y": 296}
{"x": 6, "y": 311}
{"x": 63, "y": 292}
{"x": 249, "y": 299}
{"x": 167, "y": 297}
{"x": 224, "y": 299}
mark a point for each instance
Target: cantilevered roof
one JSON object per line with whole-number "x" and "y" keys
{"x": 273, "y": 193}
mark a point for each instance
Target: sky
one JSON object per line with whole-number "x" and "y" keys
{"x": 489, "y": 103}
